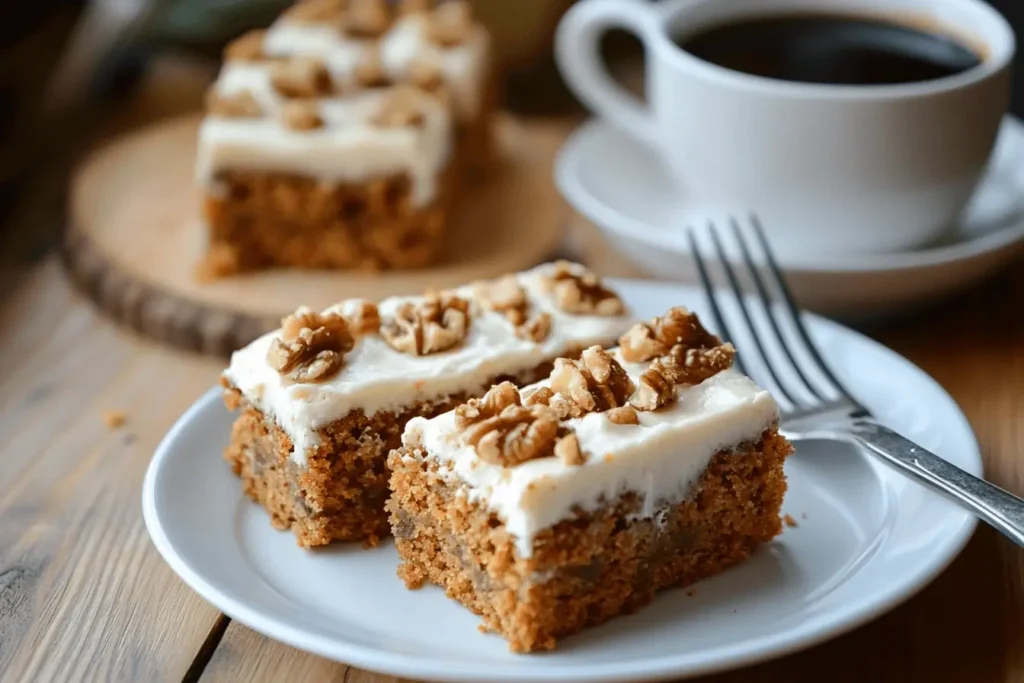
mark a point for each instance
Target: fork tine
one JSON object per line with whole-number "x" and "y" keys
{"x": 741, "y": 300}
{"x": 766, "y": 302}
{"x": 709, "y": 289}
{"x": 794, "y": 312}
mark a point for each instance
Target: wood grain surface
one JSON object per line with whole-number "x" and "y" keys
{"x": 84, "y": 595}
{"x": 135, "y": 238}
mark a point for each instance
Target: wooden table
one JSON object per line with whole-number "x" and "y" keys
{"x": 85, "y": 596}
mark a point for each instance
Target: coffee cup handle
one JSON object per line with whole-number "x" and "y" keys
{"x": 577, "y": 52}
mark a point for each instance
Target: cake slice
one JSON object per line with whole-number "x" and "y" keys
{"x": 325, "y": 398}
{"x": 556, "y": 507}
{"x": 337, "y": 137}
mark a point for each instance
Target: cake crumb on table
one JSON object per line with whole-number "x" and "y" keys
{"x": 114, "y": 418}
{"x": 788, "y": 519}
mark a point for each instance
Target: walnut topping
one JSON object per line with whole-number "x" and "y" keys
{"x": 504, "y": 295}
{"x": 581, "y": 292}
{"x": 316, "y": 11}
{"x": 400, "y": 108}
{"x": 437, "y": 323}
{"x": 425, "y": 75}
{"x": 451, "y": 23}
{"x": 300, "y": 76}
{"x": 369, "y": 71}
{"x": 535, "y": 329}
{"x": 364, "y": 320}
{"x": 596, "y": 382}
{"x": 240, "y": 105}
{"x": 568, "y": 450}
{"x": 497, "y": 398}
{"x": 515, "y": 435}
{"x": 367, "y": 18}
{"x": 678, "y": 326}
{"x": 625, "y": 415}
{"x": 311, "y": 347}
{"x": 538, "y": 397}
{"x": 248, "y": 47}
{"x": 655, "y": 389}
{"x": 694, "y": 365}
{"x": 301, "y": 115}
{"x": 507, "y": 296}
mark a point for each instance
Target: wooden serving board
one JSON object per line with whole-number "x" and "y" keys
{"x": 134, "y": 239}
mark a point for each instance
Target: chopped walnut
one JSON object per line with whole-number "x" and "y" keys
{"x": 451, "y": 23}
{"x": 515, "y": 435}
{"x": 301, "y": 115}
{"x": 678, "y": 326}
{"x": 239, "y": 105}
{"x": 538, "y": 397}
{"x": 624, "y": 415}
{"x": 316, "y": 11}
{"x": 535, "y": 329}
{"x": 502, "y": 295}
{"x": 425, "y": 75}
{"x": 248, "y": 47}
{"x": 497, "y": 398}
{"x": 400, "y": 108}
{"x": 568, "y": 450}
{"x": 369, "y": 71}
{"x": 437, "y": 323}
{"x": 364, "y": 320}
{"x": 367, "y": 18}
{"x": 654, "y": 389}
{"x": 414, "y": 6}
{"x": 596, "y": 382}
{"x": 581, "y": 292}
{"x": 694, "y": 365}
{"x": 301, "y": 77}
{"x": 311, "y": 347}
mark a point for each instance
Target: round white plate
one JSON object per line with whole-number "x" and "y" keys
{"x": 866, "y": 539}
{"x": 620, "y": 186}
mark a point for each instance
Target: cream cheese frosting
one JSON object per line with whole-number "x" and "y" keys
{"x": 348, "y": 148}
{"x": 376, "y": 377}
{"x": 660, "y": 459}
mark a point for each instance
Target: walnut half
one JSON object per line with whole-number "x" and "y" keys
{"x": 438, "y": 323}
{"x": 507, "y": 296}
{"x": 515, "y": 435}
{"x": 579, "y": 291}
{"x": 311, "y": 347}
{"x": 594, "y": 383}
{"x": 678, "y": 326}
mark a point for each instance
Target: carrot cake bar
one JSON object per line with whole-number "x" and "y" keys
{"x": 335, "y": 138}
{"x": 556, "y": 507}
{"x": 324, "y": 399}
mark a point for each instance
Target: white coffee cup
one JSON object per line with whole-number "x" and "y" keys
{"x": 827, "y": 167}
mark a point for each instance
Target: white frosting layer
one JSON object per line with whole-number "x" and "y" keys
{"x": 376, "y": 377}
{"x": 660, "y": 459}
{"x": 463, "y": 67}
{"x": 348, "y": 148}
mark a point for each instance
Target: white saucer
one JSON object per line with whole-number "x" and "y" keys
{"x": 866, "y": 539}
{"x": 620, "y": 185}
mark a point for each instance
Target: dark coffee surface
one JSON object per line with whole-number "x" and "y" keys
{"x": 830, "y": 49}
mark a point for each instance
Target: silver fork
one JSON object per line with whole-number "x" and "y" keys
{"x": 822, "y": 408}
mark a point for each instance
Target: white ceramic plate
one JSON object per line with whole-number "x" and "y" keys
{"x": 866, "y": 539}
{"x": 620, "y": 186}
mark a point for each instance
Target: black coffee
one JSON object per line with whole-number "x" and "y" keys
{"x": 830, "y": 49}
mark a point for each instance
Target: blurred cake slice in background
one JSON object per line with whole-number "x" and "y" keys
{"x": 339, "y": 136}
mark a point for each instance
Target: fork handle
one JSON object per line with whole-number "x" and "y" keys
{"x": 998, "y": 507}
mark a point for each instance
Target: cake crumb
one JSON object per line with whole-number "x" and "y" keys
{"x": 690, "y": 593}
{"x": 114, "y": 418}
{"x": 788, "y": 519}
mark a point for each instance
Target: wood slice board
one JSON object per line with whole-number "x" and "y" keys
{"x": 135, "y": 238}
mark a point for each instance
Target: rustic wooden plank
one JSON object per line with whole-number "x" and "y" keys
{"x": 83, "y": 593}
